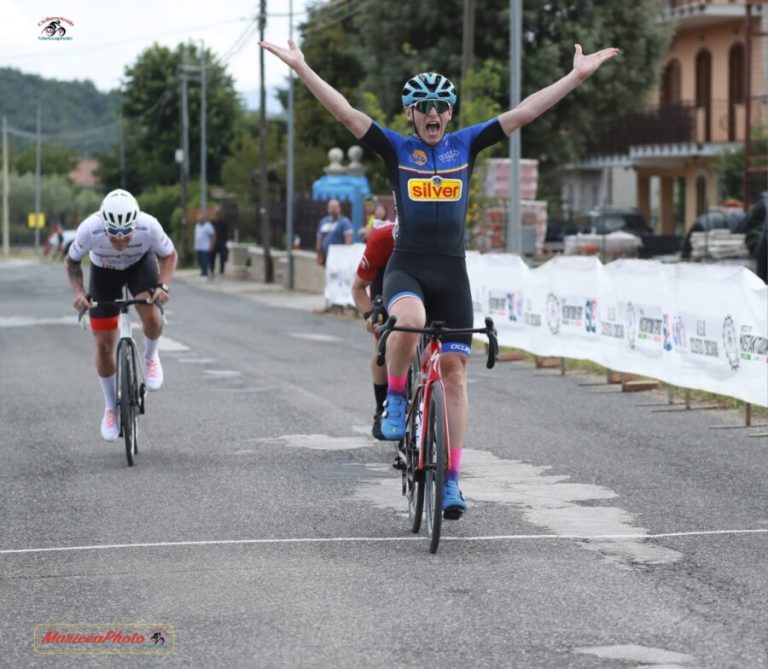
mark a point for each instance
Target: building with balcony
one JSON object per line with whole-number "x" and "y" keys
{"x": 662, "y": 160}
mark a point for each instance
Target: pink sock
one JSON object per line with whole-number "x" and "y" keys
{"x": 453, "y": 472}
{"x": 397, "y": 383}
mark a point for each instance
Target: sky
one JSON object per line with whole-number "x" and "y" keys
{"x": 105, "y": 40}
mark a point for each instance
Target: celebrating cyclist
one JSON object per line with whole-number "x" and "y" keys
{"x": 426, "y": 278}
{"x": 126, "y": 246}
{"x": 367, "y": 286}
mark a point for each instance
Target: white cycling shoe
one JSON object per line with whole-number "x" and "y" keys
{"x": 153, "y": 372}
{"x": 110, "y": 428}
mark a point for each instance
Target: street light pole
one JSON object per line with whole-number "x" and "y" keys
{"x": 289, "y": 176}
{"x": 184, "y": 153}
{"x": 203, "y": 139}
{"x": 37, "y": 178}
{"x": 514, "y": 243}
{"x": 266, "y": 237}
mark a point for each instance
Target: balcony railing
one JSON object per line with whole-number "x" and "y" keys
{"x": 719, "y": 122}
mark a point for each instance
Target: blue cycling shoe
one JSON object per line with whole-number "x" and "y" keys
{"x": 393, "y": 417}
{"x": 453, "y": 501}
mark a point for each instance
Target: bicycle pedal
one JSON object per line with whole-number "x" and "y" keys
{"x": 452, "y": 513}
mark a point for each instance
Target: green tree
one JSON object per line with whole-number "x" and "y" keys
{"x": 56, "y": 197}
{"x": 151, "y": 109}
{"x": 54, "y": 159}
{"x": 379, "y": 45}
{"x": 730, "y": 168}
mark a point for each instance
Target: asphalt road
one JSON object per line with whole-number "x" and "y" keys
{"x": 263, "y": 527}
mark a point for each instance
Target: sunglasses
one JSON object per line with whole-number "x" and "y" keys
{"x": 118, "y": 232}
{"x": 423, "y": 106}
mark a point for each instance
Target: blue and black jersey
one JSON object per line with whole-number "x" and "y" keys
{"x": 431, "y": 183}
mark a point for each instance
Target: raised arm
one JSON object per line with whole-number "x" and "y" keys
{"x": 536, "y": 104}
{"x": 356, "y": 121}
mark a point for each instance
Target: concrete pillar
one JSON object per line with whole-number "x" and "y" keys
{"x": 713, "y": 188}
{"x": 644, "y": 196}
{"x": 667, "y": 209}
{"x": 690, "y": 198}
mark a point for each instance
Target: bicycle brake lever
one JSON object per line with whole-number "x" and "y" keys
{"x": 385, "y": 331}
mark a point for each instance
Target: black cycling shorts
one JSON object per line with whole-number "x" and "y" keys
{"x": 442, "y": 284}
{"x": 107, "y": 284}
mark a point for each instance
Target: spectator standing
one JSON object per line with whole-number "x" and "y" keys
{"x": 334, "y": 228}
{"x": 222, "y": 235}
{"x": 205, "y": 242}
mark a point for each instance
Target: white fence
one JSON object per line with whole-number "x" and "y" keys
{"x": 691, "y": 325}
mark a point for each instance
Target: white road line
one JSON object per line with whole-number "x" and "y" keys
{"x": 330, "y": 540}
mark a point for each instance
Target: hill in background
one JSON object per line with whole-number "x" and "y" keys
{"x": 74, "y": 113}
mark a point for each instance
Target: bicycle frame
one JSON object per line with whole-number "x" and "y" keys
{"x": 429, "y": 366}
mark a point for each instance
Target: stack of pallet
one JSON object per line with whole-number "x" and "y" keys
{"x": 718, "y": 244}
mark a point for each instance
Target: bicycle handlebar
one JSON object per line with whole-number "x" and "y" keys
{"x": 436, "y": 331}
{"x": 123, "y": 304}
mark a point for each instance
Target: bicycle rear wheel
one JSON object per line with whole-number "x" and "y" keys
{"x": 435, "y": 464}
{"x": 127, "y": 398}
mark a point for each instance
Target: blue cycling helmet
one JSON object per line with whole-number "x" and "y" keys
{"x": 428, "y": 86}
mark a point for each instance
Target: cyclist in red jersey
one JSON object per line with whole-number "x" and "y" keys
{"x": 430, "y": 170}
{"x": 368, "y": 284}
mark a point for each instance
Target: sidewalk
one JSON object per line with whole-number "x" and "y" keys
{"x": 275, "y": 295}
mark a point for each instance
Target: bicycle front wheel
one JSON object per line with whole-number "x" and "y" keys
{"x": 435, "y": 449}
{"x": 414, "y": 478}
{"x": 127, "y": 398}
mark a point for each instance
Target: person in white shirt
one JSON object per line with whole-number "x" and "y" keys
{"x": 205, "y": 242}
{"x": 126, "y": 247}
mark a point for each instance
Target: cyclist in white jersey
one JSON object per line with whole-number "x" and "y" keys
{"x": 126, "y": 247}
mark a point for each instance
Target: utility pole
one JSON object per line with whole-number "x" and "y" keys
{"x": 266, "y": 240}
{"x": 468, "y": 50}
{"x": 514, "y": 242}
{"x": 122, "y": 153}
{"x": 184, "y": 153}
{"x": 6, "y": 189}
{"x": 289, "y": 176}
{"x": 37, "y": 177}
{"x": 203, "y": 145}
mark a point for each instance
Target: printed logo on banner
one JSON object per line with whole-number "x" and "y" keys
{"x": 497, "y": 305}
{"x": 730, "y": 342}
{"x": 701, "y": 344}
{"x": 531, "y": 318}
{"x": 631, "y": 324}
{"x": 666, "y": 332}
{"x": 609, "y": 327}
{"x": 553, "y": 313}
{"x": 515, "y": 307}
{"x": 753, "y": 347}
{"x": 590, "y": 311}
{"x": 572, "y": 314}
{"x": 678, "y": 333}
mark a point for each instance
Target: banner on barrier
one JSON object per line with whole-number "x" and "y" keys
{"x": 691, "y": 325}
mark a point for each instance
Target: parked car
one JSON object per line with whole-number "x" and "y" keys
{"x": 605, "y": 220}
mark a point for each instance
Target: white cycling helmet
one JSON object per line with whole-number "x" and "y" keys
{"x": 119, "y": 211}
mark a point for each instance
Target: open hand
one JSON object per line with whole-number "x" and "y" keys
{"x": 585, "y": 65}
{"x": 291, "y": 56}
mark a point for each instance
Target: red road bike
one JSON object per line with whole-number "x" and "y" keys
{"x": 424, "y": 454}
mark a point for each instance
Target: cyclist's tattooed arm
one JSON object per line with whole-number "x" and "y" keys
{"x": 75, "y": 276}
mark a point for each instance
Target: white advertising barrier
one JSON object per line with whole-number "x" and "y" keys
{"x": 694, "y": 326}
{"x": 340, "y": 268}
